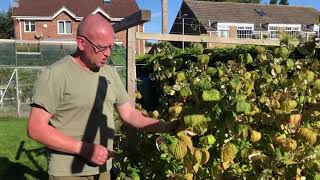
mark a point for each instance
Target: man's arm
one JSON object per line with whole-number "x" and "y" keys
{"x": 38, "y": 128}
{"x": 135, "y": 118}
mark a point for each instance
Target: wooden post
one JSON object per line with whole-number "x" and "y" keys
{"x": 131, "y": 132}
{"x": 164, "y": 16}
{"x": 129, "y": 24}
{"x": 131, "y": 63}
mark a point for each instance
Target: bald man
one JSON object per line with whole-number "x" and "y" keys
{"x": 73, "y": 104}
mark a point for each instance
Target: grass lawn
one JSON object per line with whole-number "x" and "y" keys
{"x": 19, "y": 162}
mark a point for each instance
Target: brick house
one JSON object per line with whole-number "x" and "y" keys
{"x": 58, "y": 19}
{"x": 244, "y": 20}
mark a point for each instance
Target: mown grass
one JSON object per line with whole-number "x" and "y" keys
{"x": 19, "y": 162}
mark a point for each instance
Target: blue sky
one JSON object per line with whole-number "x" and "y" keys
{"x": 173, "y": 6}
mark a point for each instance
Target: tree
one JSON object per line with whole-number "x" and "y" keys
{"x": 6, "y": 25}
{"x": 273, "y": 1}
{"x": 284, "y": 2}
{"x": 239, "y": 1}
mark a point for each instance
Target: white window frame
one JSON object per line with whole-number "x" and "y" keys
{"x": 242, "y": 32}
{"x": 271, "y": 29}
{"x": 275, "y": 30}
{"x": 223, "y": 28}
{"x": 29, "y": 23}
{"x": 316, "y": 28}
{"x": 64, "y": 25}
{"x": 293, "y": 31}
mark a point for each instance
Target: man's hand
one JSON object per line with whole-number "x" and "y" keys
{"x": 95, "y": 153}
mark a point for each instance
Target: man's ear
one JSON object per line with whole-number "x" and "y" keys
{"x": 80, "y": 43}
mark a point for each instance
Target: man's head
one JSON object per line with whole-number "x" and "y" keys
{"x": 95, "y": 38}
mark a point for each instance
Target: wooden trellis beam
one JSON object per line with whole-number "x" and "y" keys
{"x": 206, "y": 39}
{"x": 135, "y": 19}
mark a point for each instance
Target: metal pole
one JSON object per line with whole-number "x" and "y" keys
{"x": 5, "y": 90}
{"x": 17, "y": 92}
{"x": 1, "y": 102}
{"x": 183, "y": 33}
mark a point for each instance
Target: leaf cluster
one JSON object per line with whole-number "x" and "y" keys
{"x": 254, "y": 110}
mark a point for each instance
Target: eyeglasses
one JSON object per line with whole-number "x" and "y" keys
{"x": 98, "y": 49}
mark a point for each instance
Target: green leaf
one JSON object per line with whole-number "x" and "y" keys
{"x": 203, "y": 59}
{"x": 202, "y": 82}
{"x": 277, "y": 154}
{"x": 135, "y": 176}
{"x": 249, "y": 59}
{"x": 290, "y": 64}
{"x": 289, "y": 162}
{"x": 207, "y": 140}
{"x": 185, "y": 91}
{"x": 236, "y": 84}
{"x": 211, "y": 71}
{"x": 243, "y": 107}
{"x": 243, "y": 131}
{"x": 211, "y": 95}
{"x": 194, "y": 119}
{"x": 310, "y": 76}
{"x": 180, "y": 76}
{"x": 241, "y": 97}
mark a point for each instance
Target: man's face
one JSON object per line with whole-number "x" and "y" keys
{"x": 97, "y": 49}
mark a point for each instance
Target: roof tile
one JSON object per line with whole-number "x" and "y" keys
{"x": 246, "y": 13}
{"x": 81, "y": 8}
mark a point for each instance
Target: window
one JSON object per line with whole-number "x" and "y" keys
{"x": 318, "y": 33}
{"x": 261, "y": 12}
{"x": 244, "y": 32}
{"x": 292, "y": 31}
{"x": 64, "y": 27}
{"x": 274, "y": 32}
{"x": 29, "y": 26}
{"x": 223, "y": 31}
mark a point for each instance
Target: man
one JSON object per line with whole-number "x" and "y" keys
{"x": 72, "y": 107}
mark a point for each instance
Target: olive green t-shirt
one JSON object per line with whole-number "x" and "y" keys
{"x": 82, "y": 104}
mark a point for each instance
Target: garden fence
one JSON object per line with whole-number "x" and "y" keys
{"x": 20, "y": 63}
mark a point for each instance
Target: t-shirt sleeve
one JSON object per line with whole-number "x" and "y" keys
{"x": 47, "y": 91}
{"x": 121, "y": 93}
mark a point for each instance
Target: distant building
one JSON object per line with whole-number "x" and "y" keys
{"x": 245, "y": 20}
{"x": 58, "y": 19}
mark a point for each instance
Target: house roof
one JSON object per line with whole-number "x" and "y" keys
{"x": 80, "y": 8}
{"x": 248, "y": 13}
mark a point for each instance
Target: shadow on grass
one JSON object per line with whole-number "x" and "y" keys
{"x": 15, "y": 171}
{"x": 37, "y": 151}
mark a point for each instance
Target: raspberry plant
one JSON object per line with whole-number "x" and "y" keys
{"x": 249, "y": 112}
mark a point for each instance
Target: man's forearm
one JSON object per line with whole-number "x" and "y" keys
{"x": 147, "y": 124}
{"x": 135, "y": 118}
{"x": 54, "y": 139}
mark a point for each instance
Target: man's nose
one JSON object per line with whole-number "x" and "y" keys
{"x": 107, "y": 52}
